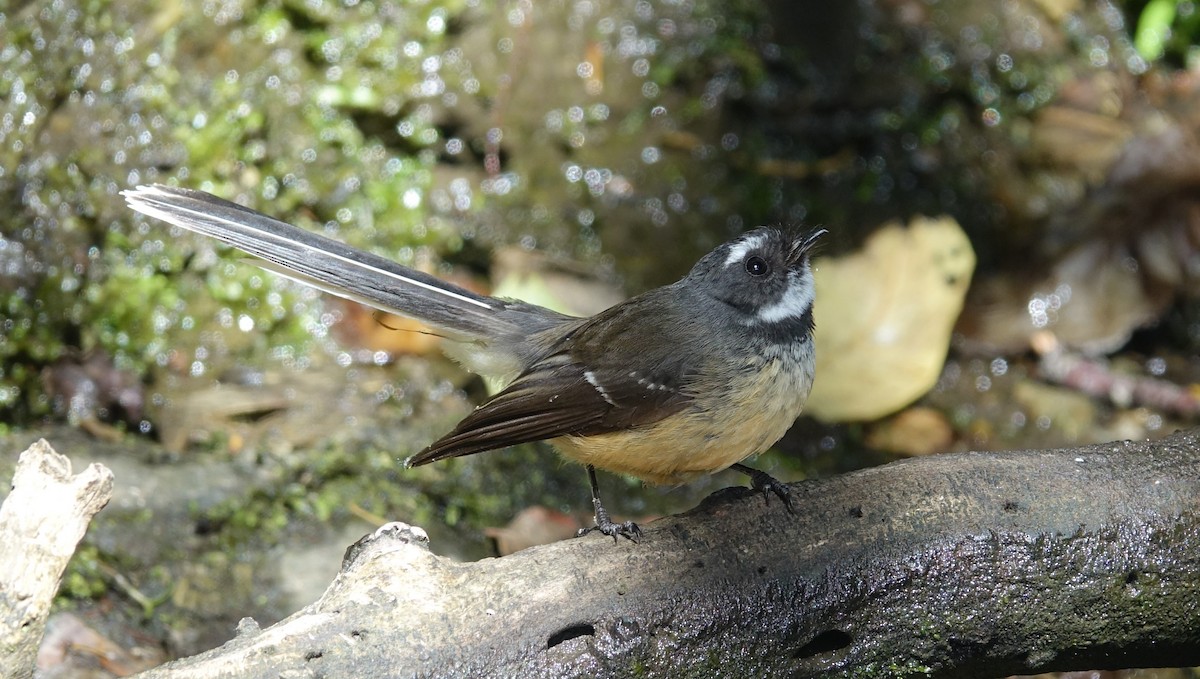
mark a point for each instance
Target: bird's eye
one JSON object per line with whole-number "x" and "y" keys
{"x": 757, "y": 266}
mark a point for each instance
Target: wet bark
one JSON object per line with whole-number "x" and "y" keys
{"x": 967, "y": 564}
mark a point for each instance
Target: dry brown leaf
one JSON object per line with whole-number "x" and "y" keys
{"x": 536, "y": 525}
{"x": 915, "y": 431}
{"x": 1092, "y": 299}
{"x": 884, "y": 317}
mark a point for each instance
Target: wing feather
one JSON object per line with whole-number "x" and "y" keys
{"x": 588, "y": 383}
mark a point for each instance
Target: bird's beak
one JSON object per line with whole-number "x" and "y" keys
{"x": 803, "y": 245}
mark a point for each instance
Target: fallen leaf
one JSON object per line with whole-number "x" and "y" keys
{"x": 915, "y": 431}
{"x": 884, "y": 317}
{"x": 536, "y": 525}
{"x": 1069, "y": 412}
{"x": 72, "y": 647}
{"x": 1111, "y": 263}
{"x": 1092, "y": 299}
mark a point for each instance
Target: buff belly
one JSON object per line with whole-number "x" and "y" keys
{"x": 705, "y": 438}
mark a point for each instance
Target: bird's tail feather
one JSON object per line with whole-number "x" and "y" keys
{"x": 329, "y": 265}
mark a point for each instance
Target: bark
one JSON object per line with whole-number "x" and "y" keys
{"x": 954, "y": 565}
{"x": 41, "y": 522}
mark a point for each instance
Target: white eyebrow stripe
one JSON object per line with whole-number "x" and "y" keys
{"x": 739, "y": 249}
{"x": 797, "y": 300}
{"x": 591, "y": 379}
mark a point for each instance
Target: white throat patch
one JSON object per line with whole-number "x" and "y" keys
{"x": 796, "y": 301}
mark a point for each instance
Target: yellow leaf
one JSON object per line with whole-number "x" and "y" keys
{"x": 884, "y": 317}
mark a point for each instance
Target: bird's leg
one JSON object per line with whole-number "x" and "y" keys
{"x": 628, "y": 530}
{"x": 767, "y": 484}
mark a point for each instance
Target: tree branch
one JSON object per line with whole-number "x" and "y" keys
{"x": 959, "y": 565}
{"x": 41, "y": 522}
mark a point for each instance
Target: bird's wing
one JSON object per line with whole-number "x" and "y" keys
{"x": 562, "y": 394}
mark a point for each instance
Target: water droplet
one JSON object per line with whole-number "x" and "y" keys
{"x": 411, "y": 199}
{"x": 436, "y": 23}
{"x": 999, "y": 366}
{"x": 1156, "y": 366}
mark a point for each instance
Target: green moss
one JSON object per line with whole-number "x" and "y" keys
{"x": 266, "y": 103}
{"x": 85, "y": 576}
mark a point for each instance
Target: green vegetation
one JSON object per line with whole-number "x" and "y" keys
{"x": 269, "y": 103}
{"x": 1167, "y": 30}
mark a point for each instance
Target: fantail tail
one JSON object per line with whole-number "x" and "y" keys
{"x": 327, "y": 264}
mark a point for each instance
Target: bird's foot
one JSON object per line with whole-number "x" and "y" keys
{"x": 768, "y": 485}
{"x": 628, "y": 530}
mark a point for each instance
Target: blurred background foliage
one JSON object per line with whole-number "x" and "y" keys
{"x": 236, "y": 99}
{"x": 1167, "y": 30}
{"x": 435, "y": 131}
{"x": 398, "y": 126}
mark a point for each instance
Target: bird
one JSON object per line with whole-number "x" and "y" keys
{"x": 681, "y": 381}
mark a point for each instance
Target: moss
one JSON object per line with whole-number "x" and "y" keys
{"x": 260, "y": 102}
{"x": 85, "y": 576}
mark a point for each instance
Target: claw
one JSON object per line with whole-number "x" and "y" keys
{"x": 628, "y": 530}
{"x": 767, "y": 484}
